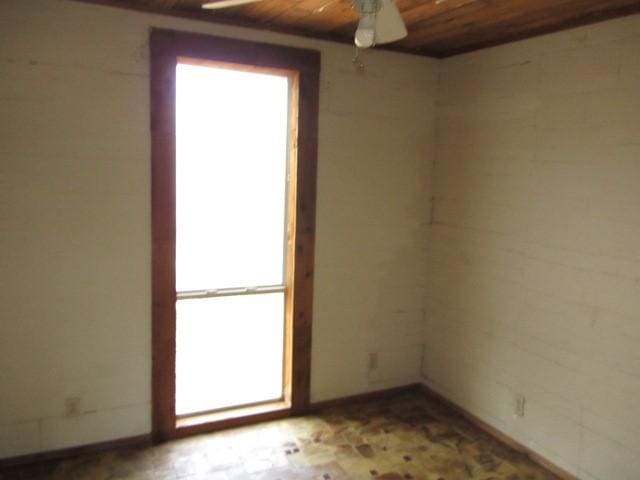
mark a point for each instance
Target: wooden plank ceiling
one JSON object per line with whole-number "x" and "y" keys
{"x": 437, "y": 28}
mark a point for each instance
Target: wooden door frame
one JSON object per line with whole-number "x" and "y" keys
{"x": 166, "y": 47}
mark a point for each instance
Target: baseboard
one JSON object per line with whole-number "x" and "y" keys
{"x": 143, "y": 440}
{"x": 499, "y": 435}
{"x": 137, "y": 441}
{"x": 365, "y": 397}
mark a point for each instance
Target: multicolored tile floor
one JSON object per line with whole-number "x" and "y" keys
{"x": 409, "y": 437}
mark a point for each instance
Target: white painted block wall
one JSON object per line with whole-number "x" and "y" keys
{"x": 534, "y": 247}
{"x": 531, "y": 272}
{"x": 75, "y": 218}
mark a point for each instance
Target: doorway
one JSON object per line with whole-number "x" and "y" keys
{"x": 232, "y": 238}
{"x": 234, "y": 141}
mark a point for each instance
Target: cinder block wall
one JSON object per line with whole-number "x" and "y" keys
{"x": 534, "y": 248}
{"x": 75, "y": 306}
{"x": 531, "y": 266}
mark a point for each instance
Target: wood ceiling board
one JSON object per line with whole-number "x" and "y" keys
{"x": 263, "y": 11}
{"x": 414, "y": 11}
{"x": 481, "y": 16}
{"x": 474, "y": 19}
{"x": 435, "y": 29}
{"x": 452, "y": 45}
{"x": 446, "y": 21}
{"x": 320, "y": 15}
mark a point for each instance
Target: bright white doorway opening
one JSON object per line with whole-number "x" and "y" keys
{"x": 232, "y": 149}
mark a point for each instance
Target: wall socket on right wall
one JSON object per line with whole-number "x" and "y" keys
{"x": 519, "y": 402}
{"x": 373, "y": 361}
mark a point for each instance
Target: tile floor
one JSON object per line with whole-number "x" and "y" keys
{"x": 409, "y": 437}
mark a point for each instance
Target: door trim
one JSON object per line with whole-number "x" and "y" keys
{"x": 166, "y": 47}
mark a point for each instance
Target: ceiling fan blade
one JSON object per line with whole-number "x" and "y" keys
{"x": 389, "y": 24}
{"x": 226, "y": 3}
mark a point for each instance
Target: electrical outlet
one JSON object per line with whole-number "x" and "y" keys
{"x": 518, "y": 405}
{"x": 72, "y": 407}
{"x": 373, "y": 361}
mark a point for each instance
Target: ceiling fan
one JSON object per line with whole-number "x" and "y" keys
{"x": 380, "y": 20}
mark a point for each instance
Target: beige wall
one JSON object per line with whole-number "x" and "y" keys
{"x": 534, "y": 249}
{"x": 74, "y": 213}
{"x": 530, "y": 265}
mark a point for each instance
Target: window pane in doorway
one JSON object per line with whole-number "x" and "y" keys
{"x": 229, "y": 351}
{"x": 231, "y": 158}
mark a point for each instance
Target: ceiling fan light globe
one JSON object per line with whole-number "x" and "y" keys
{"x": 366, "y": 32}
{"x": 389, "y": 25}
{"x": 365, "y": 38}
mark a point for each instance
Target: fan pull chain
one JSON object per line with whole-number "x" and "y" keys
{"x": 357, "y": 61}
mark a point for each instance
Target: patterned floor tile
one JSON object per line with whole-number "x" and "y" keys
{"x": 410, "y": 437}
